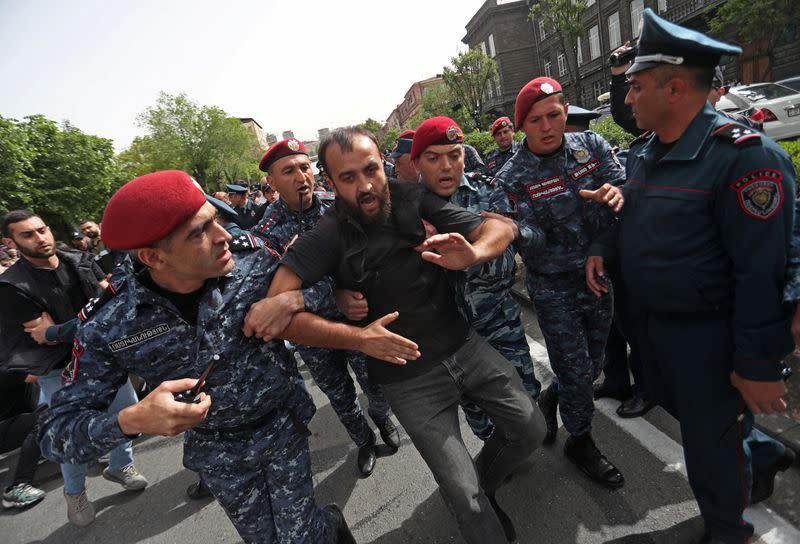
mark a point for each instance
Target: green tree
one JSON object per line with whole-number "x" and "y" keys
{"x": 440, "y": 100}
{"x": 763, "y": 23}
{"x": 468, "y": 80}
{"x": 390, "y": 138}
{"x": 613, "y": 133}
{"x": 566, "y": 18}
{"x": 56, "y": 171}
{"x": 371, "y": 125}
{"x": 482, "y": 141}
{"x": 202, "y": 140}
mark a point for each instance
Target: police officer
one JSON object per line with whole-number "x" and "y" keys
{"x": 297, "y": 210}
{"x": 543, "y": 179}
{"x": 473, "y": 161}
{"x": 503, "y": 134}
{"x": 578, "y": 118}
{"x": 404, "y": 169}
{"x": 703, "y": 241}
{"x": 483, "y": 293}
{"x": 242, "y": 205}
{"x": 181, "y": 313}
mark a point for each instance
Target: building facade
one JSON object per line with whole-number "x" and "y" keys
{"x": 253, "y": 126}
{"x": 411, "y": 103}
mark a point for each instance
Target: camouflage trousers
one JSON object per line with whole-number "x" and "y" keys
{"x": 500, "y": 324}
{"x": 329, "y": 370}
{"x": 575, "y": 325}
{"x": 264, "y": 485}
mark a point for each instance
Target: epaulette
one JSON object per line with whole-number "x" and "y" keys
{"x": 642, "y": 137}
{"x": 98, "y": 302}
{"x": 483, "y": 178}
{"x": 328, "y": 196}
{"x": 245, "y": 242}
{"x": 738, "y": 135}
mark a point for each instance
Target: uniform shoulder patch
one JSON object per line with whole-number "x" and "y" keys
{"x": 94, "y": 304}
{"x": 738, "y": 135}
{"x": 760, "y": 192}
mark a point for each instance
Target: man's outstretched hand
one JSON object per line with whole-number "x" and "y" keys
{"x": 608, "y": 194}
{"x": 377, "y": 341}
{"x": 450, "y": 250}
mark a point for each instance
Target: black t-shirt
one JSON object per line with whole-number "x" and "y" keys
{"x": 188, "y": 304}
{"x": 381, "y": 263}
{"x": 62, "y": 290}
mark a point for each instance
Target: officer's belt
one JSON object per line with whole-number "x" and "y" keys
{"x": 253, "y": 425}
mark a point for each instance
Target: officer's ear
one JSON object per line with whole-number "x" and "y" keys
{"x": 9, "y": 242}
{"x": 151, "y": 257}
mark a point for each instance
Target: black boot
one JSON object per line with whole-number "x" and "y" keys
{"x": 389, "y": 434}
{"x": 198, "y": 491}
{"x": 341, "y": 530}
{"x": 505, "y": 521}
{"x": 366, "y": 457}
{"x": 764, "y": 482}
{"x": 582, "y": 451}
{"x": 548, "y": 404}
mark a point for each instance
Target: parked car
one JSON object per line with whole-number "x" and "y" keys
{"x": 780, "y": 106}
{"x": 791, "y": 82}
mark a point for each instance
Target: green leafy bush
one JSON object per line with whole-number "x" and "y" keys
{"x": 613, "y": 133}
{"x": 792, "y": 147}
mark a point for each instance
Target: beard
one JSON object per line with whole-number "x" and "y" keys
{"x": 91, "y": 234}
{"x": 33, "y": 254}
{"x": 354, "y": 210}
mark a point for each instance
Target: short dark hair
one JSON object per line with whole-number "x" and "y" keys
{"x": 82, "y": 221}
{"x": 343, "y": 137}
{"x": 699, "y": 76}
{"x": 15, "y": 216}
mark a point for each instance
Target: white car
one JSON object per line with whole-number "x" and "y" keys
{"x": 780, "y": 106}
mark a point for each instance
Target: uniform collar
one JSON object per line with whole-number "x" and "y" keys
{"x": 284, "y": 207}
{"x": 465, "y": 182}
{"x": 688, "y": 146}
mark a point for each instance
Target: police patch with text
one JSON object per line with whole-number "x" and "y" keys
{"x": 138, "y": 338}
{"x": 545, "y": 187}
{"x": 760, "y": 192}
{"x": 585, "y": 169}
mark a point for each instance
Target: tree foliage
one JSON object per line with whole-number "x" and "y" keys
{"x": 612, "y": 132}
{"x": 468, "y": 80}
{"x": 56, "y": 171}
{"x": 371, "y": 125}
{"x": 566, "y": 18}
{"x": 762, "y": 23}
{"x": 390, "y": 139}
{"x": 201, "y": 140}
{"x": 440, "y": 100}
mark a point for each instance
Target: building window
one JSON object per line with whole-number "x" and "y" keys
{"x": 542, "y": 31}
{"x": 594, "y": 42}
{"x": 597, "y": 89}
{"x": 614, "y": 37}
{"x": 579, "y": 52}
{"x": 662, "y": 6}
{"x": 562, "y": 64}
{"x": 497, "y": 89}
{"x": 585, "y": 95}
{"x": 547, "y": 68}
{"x": 637, "y": 8}
{"x": 490, "y": 41}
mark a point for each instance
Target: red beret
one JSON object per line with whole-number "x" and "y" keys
{"x": 435, "y": 131}
{"x": 407, "y": 135}
{"x": 500, "y": 123}
{"x": 148, "y": 208}
{"x": 278, "y": 150}
{"x": 535, "y": 90}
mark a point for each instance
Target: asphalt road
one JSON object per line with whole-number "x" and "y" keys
{"x": 399, "y": 504}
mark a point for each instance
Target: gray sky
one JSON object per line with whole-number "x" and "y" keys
{"x": 298, "y": 65}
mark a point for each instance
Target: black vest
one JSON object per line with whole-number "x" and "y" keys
{"x": 18, "y": 351}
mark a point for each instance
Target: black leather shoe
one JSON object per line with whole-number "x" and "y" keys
{"x": 367, "y": 457}
{"x": 390, "y": 435}
{"x": 601, "y": 390}
{"x": 198, "y": 491}
{"x": 505, "y": 521}
{"x": 764, "y": 482}
{"x": 548, "y": 404}
{"x": 582, "y": 451}
{"x": 635, "y": 406}
{"x": 341, "y": 530}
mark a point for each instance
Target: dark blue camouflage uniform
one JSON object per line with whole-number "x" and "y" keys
{"x": 483, "y": 295}
{"x": 328, "y": 367}
{"x": 252, "y": 449}
{"x": 473, "y": 161}
{"x": 497, "y": 159}
{"x": 558, "y": 227}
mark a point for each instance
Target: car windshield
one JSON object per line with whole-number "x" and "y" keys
{"x": 766, "y": 91}
{"x": 731, "y": 102}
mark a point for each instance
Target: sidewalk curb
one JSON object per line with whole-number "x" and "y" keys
{"x": 780, "y": 427}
